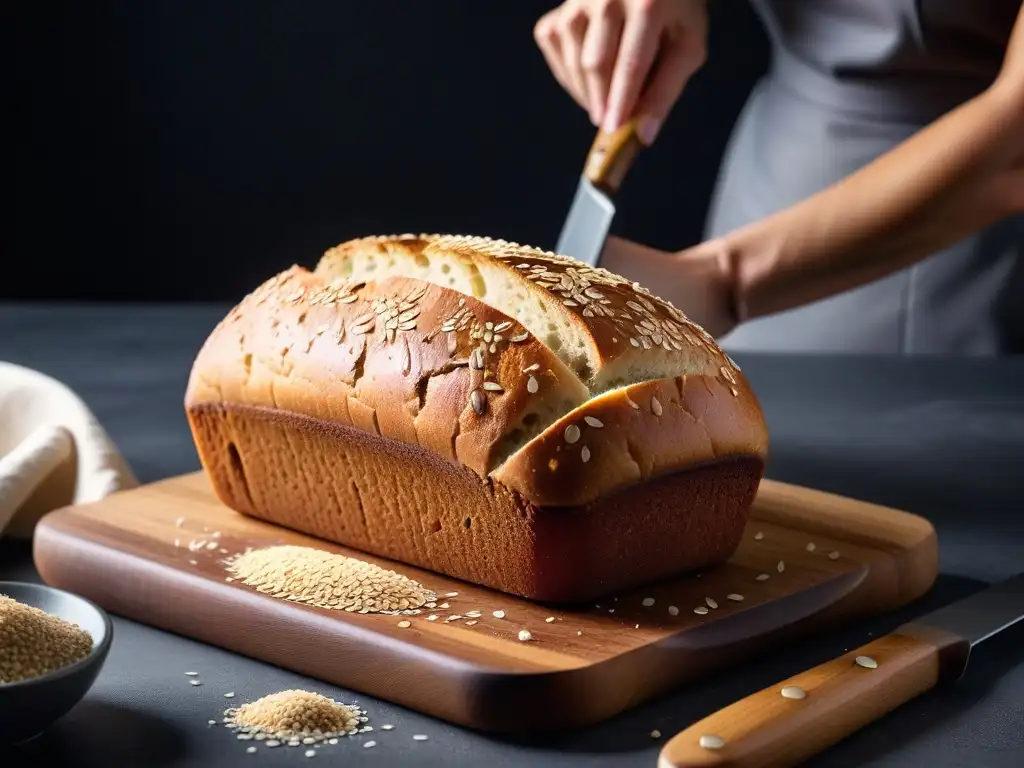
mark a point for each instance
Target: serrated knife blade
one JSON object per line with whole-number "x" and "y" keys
{"x": 593, "y": 208}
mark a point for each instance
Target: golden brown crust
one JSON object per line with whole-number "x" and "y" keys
{"x": 631, "y": 435}
{"x": 393, "y": 415}
{"x": 625, "y": 327}
{"x": 429, "y": 366}
{"x": 406, "y": 503}
{"x": 381, "y": 358}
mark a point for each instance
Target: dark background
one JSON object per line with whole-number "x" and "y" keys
{"x": 188, "y": 149}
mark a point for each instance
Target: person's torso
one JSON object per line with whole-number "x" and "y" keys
{"x": 849, "y": 81}
{"x": 913, "y": 58}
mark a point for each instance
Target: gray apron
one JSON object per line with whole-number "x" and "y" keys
{"x": 851, "y": 79}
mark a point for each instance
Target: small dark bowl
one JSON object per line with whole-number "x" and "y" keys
{"x": 29, "y": 707}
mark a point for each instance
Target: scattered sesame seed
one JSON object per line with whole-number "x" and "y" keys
{"x": 473, "y": 614}
{"x": 736, "y": 598}
{"x": 637, "y": 627}
{"x": 524, "y": 635}
{"x": 648, "y": 602}
{"x": 387, "y": 727}
{"x": 759, "y": 535}
{"x": 195, "y": 682}
{"x": 272, "y": 743}
{"x": 763, "y": 577}
{"x": 591, "y": 421}
{"x": 251, "y": 750}
{"x": 700, "y": 609}
{"x": 498, "y": 614}
{"x": 710, "y": 741}
{"x": 549, "y": 619}
{"x": 211, "y": 722}
{"x": 656, "y": 408}
{"x": 572, "y": 434}
{"x": 655, "y": 734}
{"x": 369, "y": 744}
{"x": 712, "y": 603}
{"x": 673, "y": 611}
{"x": 471, "y": 623}
{"x": 444, "y": 605}
{"x": 192, "y": 674}
{"x": 532, "y": 385}
{"x": 833, "y": 555}
{"x": 867, "y": 662}
{"x": 420, "y": 737}
{"x": 781, "y": 566}
{"x": 793, "y": 692}
{"x": 229, "y": 695}
{"x": 404, "y": 624}
{"x": 432, "y": 617}
{"x": 811, "y": 546}
{"x": 179, "y": 522}
{"x": 310, "y": 753}
{"x": 585, "y": 454}
{"x": 611, "y": 610}
{"x": 579, "y": 632}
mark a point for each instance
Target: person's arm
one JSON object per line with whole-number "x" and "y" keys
{"x": 955, "y": 177}
{"x": 621, "y": 59}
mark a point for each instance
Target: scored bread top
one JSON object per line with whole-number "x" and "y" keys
{"x": 507, "y": 369}
{"x": 404, "y": 359}
{"x": 610, "y": 331}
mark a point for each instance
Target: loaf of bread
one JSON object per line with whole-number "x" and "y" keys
{"x": 489, "y": 411}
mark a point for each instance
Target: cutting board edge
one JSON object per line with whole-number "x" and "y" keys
{"x": 464, "y": 681}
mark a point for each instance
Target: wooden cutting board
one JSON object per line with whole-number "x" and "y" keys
{"x": 588, "y": 664}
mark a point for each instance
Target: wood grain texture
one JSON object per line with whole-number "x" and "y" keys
{"x": 769, "y": 729}
{"x": 592, "y": 662}
{"x": 612, "y": 155}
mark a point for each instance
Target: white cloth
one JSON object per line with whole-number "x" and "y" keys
{"x": 53, "y": 451}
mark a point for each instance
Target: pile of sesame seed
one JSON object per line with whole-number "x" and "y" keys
{"x": 294, "y": 717}
{"x": 327, "y": 580}
{"x": 34, "y": 643}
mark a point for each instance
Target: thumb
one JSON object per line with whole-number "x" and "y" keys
{"x": 676, "y": 64}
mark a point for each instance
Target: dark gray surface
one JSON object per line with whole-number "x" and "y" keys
{"x": 940, "y": 437}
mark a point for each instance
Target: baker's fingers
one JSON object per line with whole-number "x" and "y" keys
{"x": 677, "y": 61}
{"x": 572, "y": 28}
{"x": 637, "y": 48}
{"x": 597, "y": 57}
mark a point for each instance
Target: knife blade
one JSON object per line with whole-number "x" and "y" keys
{"x": 593, "y": 207}
{"x": 801, "y": 716}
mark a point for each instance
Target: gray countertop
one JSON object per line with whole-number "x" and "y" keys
{"x": 940, "y": 437}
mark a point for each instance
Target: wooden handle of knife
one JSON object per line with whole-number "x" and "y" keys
{"x": 840, "y": 696}
{"x": 612, "y": 155}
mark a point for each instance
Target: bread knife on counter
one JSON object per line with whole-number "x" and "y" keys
{"x": 797, "y": 718}
{"x": 593, "y": 208}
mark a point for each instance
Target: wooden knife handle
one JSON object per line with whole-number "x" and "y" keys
{"x": 770, "y": 728}
{"x": 611, "y": 156}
